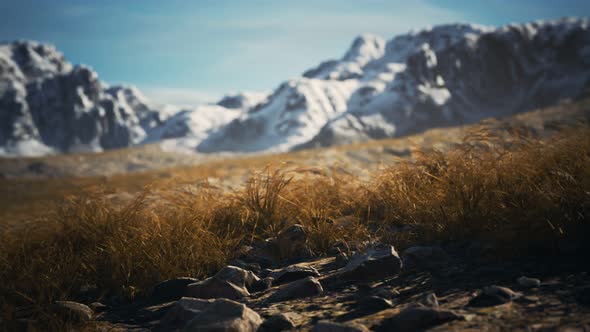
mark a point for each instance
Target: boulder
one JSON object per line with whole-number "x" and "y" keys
{"x": 325, "y": 326}
{"x": 492, "y": 296}
{"x": 278, "y": 322}
{"x": 181, "y": 312}
{"x": 214, "y": 287}
{"x": 224, "y": 315}
{"x": 171, "y": 290}
{"x": 379, "y": 262}
{"x": 237, "y": 276}
{"x": 297, "y": 289}
{"x": 417, "y": 318}
{"x": 423, "y": 257}
{"x": 72, "y": 311}
{"x": 292, "y": 273}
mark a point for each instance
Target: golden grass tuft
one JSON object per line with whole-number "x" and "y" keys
{"x": 518, "y": 195}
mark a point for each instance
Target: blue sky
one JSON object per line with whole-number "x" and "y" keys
{"x": 187, "y": 51}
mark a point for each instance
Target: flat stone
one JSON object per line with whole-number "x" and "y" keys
{"x": 214, "y": 287}
{"x": 72, "y": 311}
{"x": 417, "y": 318}
{"x": 171, "y": 290}
{"x": 325, "y": 326}
{"x": 297, "y": 289}
{"x": 278, "y": 322}
{"x": 181, "y": 312}
{"x": 224, "y": 315}
{"x": 292, "y": 273}
{"x": 379, "y": 262}
{"x": 492, "y": 296}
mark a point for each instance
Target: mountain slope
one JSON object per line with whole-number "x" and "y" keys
{"x": 446, "y": 75}
{"x": 443, "y": 76}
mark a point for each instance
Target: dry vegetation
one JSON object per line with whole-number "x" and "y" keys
{"x": 519, "y": 195}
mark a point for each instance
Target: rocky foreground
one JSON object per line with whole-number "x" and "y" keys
{"x": 453, "y": 286}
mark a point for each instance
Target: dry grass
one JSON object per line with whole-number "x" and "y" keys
{"x": 520, "y": 195}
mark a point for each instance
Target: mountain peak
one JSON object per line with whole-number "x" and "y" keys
{"x": 365, "y": 48}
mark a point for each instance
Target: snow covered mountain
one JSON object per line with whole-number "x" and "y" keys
{"x": 47, "y": 105}
{"x": 441, "y": 76}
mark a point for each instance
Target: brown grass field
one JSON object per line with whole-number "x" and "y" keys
{"x": 517, "y": 193}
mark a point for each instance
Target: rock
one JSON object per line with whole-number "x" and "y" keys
{"x": 155, "y": 312}
{"x": 292, "y": 273}
{"x": 291, "y": 243}
{"x": 527, "y": 282}
{"x": 253, "y": 267}
{"x": 262, "y": 284}
{"x": 181, "y": 312}
{"x": 325, "y": 326}
{"x": 215, "y": 288}
{"x": 225, "y": 315}
{"x": 417, "y": 318}
{"x": 294, "y": 234}
{"x": 171, "y": 290}
{"x": 297, "y": 289}
{"x": 374, "y": 303}
{"x": 386, "y": 293}
{"x": 430, "y": 300}
{"x": 265, "y": 273}
{"x": 423, "y": 257}
{"x": 493, "y": 295}
{"x": 379, "y": 262}
{"x": 237, "y": 276}
{"x": 191, "y": 314}
{"x": 260, "y": 255}
{"x": 278, "y": 322}
{"x": 73, "y": 311}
